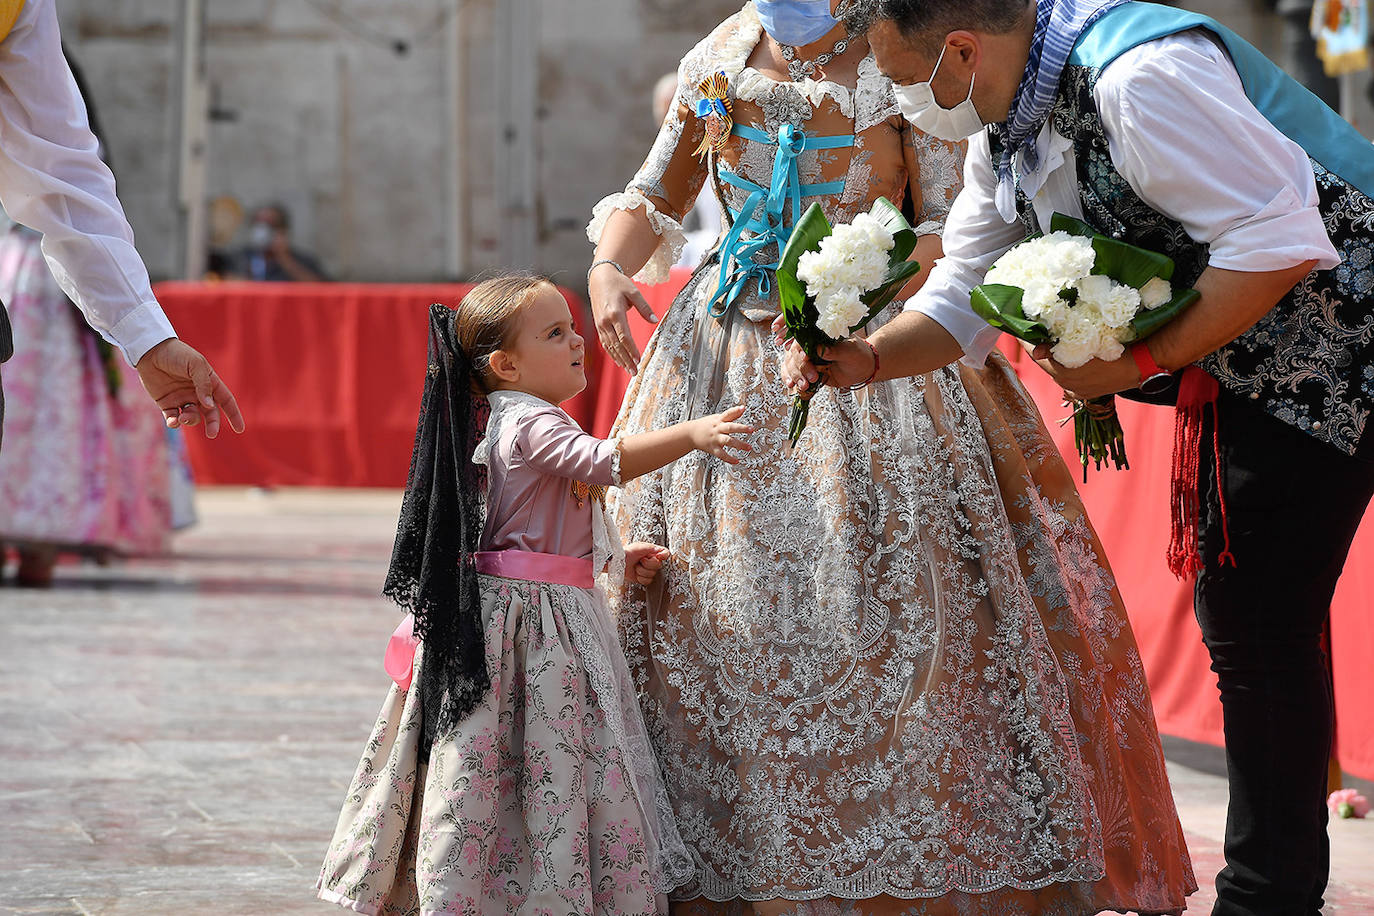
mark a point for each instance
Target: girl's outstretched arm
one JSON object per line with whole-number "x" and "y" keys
{"x": 645, "y": 452}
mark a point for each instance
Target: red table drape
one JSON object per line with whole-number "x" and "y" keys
{"x": 1130, "y": 511}
{"x": 328, "y": 375}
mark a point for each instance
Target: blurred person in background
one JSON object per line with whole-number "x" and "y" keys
{"x": 269, "y": 257}
{"x": 90, "y": 466}
{"x": 52, "y": 180}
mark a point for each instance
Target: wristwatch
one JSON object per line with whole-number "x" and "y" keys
{"x": 1153, "y": 379}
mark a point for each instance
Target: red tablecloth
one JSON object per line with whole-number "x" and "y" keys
{"x": 1130, "y": 511}
{"x": 328, "y": 375}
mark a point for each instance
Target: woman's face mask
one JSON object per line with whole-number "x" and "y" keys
{"x": 918, "y": 105}
{"x": 795, "y": 22}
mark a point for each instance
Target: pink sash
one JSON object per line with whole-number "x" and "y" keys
{"x": 399, "y": 660}
{"x": 535, "y": 567}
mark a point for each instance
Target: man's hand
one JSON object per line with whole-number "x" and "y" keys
{"x": 187, "y": 388}
{"x": 850, "y": 362}
{"x": 1093, "y": 379}
{"x": 643, "y": 561}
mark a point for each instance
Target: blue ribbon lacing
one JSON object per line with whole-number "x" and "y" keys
{"x": 762, "y": 213}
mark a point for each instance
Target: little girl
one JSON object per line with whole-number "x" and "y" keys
{"x": 517, "y": 775}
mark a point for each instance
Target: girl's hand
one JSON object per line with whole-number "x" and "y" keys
{"x": 643, "y": 561}
{"x": 716, "y": 433}
{"x": 612, "y": 296}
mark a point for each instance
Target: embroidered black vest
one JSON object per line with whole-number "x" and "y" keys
{"x": 1310, "y": 360}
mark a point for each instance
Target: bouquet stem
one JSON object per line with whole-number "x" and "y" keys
{"x": 796, "y": 421}
{"x": 1097, "y": 433}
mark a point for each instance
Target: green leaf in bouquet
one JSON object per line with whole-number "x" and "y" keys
{"x": 806, "y": 236}
{"x": 889, "y": 214}
{"x": 899, "y": 273}
{"x": 1146, "y": 323}
{"x": 903, "y": 244}
{"x": 1000, "y": 306}
{"x": 1123, "y": 262}
{"x": 1129, "y": 264}
{"x": 1061, "y": 223}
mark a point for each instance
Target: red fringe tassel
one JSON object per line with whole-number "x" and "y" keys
{"x": 1197, "y": 393}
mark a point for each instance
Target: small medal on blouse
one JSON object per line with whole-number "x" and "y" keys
{"x": 582, "y": 491}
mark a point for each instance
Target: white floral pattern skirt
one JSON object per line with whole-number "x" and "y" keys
{"x": 545, "y": 800}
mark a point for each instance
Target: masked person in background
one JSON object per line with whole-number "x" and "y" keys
{"x": 269, "y": 257}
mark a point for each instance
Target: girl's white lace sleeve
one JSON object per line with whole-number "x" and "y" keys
{"x": 671, "y": 235}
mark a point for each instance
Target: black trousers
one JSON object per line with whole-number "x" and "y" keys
{"x": 1294, "y": 504}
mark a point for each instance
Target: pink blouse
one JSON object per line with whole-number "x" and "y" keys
{"x": 538, "y": 456}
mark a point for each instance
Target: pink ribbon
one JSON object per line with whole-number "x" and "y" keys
{"x": 399, "y": 661}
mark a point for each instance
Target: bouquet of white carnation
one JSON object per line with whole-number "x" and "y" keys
{"x": 833, "y": 281}
{"x": 1088, "y": 296}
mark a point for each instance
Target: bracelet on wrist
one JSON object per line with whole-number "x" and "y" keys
{"x": 596, "y": 264}
{"x": 872, "y": 375}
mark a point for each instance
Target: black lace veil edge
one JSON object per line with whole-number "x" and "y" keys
{"x": 432, "y": 574}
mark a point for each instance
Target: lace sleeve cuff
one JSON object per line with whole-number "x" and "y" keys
{"x": 931, "y": 227}
{"x": 670, "y": 231}
{"x": 615, "y": 462}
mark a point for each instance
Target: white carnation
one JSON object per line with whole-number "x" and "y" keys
{"x": 1114, "y": 303}
{"x": 850, "y": 262}
{"x": 1155, "y": 293}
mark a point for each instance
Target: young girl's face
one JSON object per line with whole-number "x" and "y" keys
{"x": 545, "y": 350}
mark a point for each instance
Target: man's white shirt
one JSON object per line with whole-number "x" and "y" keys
{"x": 52, "y": 180}
{"x": 1186, "y": 139}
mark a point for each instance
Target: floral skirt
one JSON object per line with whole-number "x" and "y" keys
{"x": 85, "y": 462}
{"x": 545, "y": 800}
{"x": 887, "y": 671}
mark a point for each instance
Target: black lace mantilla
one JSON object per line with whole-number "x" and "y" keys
{"x": 432, "y": 573}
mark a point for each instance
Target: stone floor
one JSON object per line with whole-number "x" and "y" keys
{"x": 176, "y": 734}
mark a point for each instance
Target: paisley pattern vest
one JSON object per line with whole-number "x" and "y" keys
{"x": 1309, "y": 361}
{"x": 9, "y": 12}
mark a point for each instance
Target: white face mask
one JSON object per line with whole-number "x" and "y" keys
{"x": 918, "y": 105}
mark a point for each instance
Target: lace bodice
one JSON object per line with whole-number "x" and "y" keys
{"x": 889, "y": 158}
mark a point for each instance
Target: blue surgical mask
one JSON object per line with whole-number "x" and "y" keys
{"x": 795, "y": 22}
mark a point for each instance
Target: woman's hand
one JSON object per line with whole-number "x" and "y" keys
{"x": 643, "y": 561}
{"x": 612, "y": 296}
{"x": 716, "y": 433}
{"x": 850, "y": 362}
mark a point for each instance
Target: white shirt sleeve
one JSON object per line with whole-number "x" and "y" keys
{"x": 975, "y": 236}
{"x": 1187, "y": 139}
{"x": 52, "y": 180}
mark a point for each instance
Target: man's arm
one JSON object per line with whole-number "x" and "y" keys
{"x": 1238, "y": 185}
{"x": 52, "y": 180}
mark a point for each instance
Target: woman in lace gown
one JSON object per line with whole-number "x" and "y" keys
{"x": 888, "y": 671}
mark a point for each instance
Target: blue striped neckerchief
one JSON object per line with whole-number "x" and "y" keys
{"x": 1058, "y": 23}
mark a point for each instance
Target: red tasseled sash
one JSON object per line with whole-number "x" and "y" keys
{"x": 1197, "y": 392}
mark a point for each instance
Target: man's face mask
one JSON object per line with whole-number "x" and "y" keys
{"x": 918, "y": 105}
